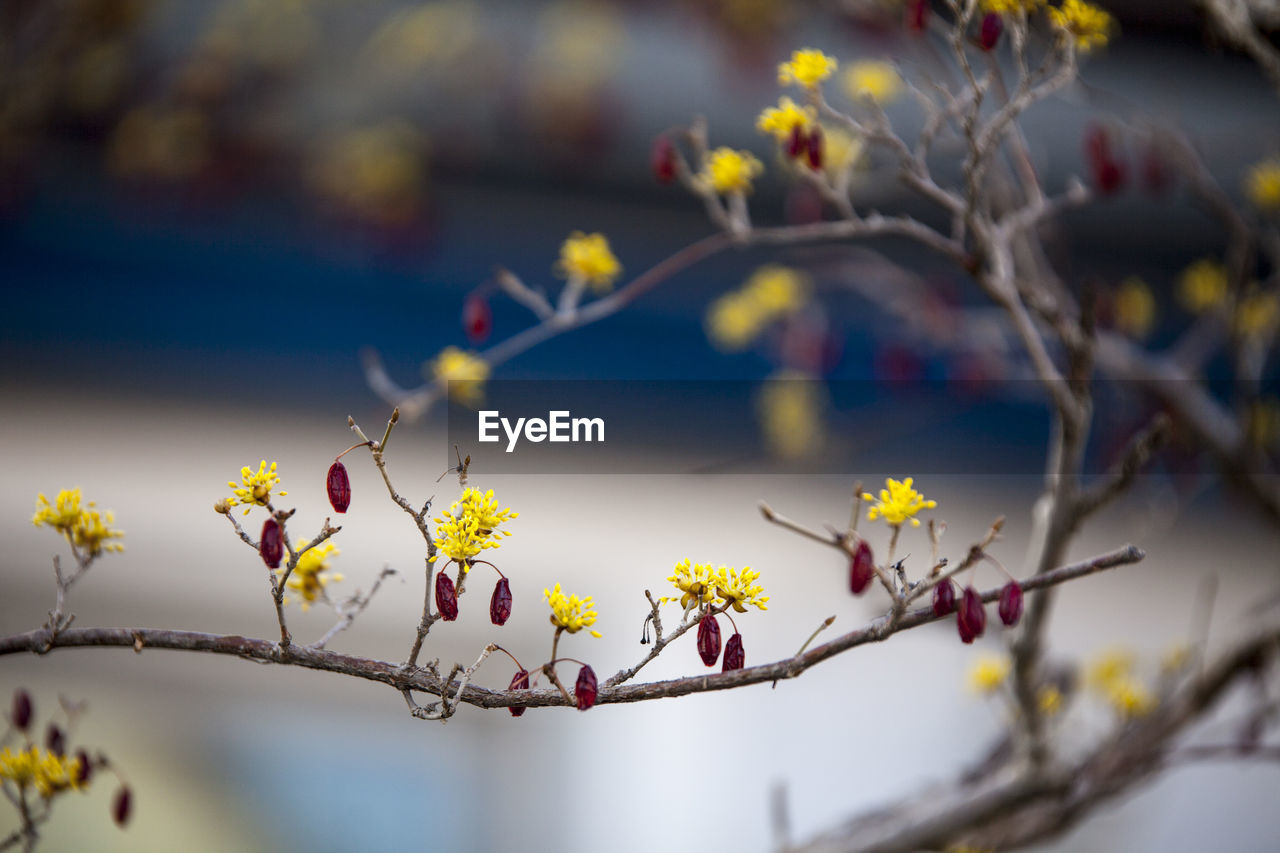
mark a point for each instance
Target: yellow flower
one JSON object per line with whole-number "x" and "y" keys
{"x": 733, "y": 322}
{"x": 841, "y": 150}
{"x": 254, "y": 488}
{"x": 588, "y": 257}
{"x": 1109, "y": 667}
{"x": 1087, "y": 24}
{"x": 48, "y": 772}
{"x": 807, "y": 68}
{"x": 736, "y": 318}
{"x": 898, "y": 503}
{"x": 570, "y": 612}
{"x": 876, "y": 80}
{"x": 790, "y": 405}
{"x": 84, "y": 527}
{"x": 462, "y": 373}
{"x": 776, "y": 289}
{"x": 1262, "y": 183}
{"x": 1203, "y": 285}
{"x": 471, "y": 525}
{"x": 1257, "y": 313}
{"x": 1049, "y": 699}
{"x": 779, "y": 121}
{"x": 1135, "y": 307}
{"x": 726, "y": 170}
{"x": 738, "y": 590}
{"x": 1009, "y": 7}
{"x": 1130, "y": 698}
{"x": 695, "y": 581}
{"x": 309, "y": 578}
{"x": 989, "y": 673}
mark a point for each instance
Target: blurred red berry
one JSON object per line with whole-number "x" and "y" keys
{"x": 500, "y": 604}
{"x": 917, "y": 15}
{"x": 519, "y": 681}
{"x": 992, "y": 29}
{"x": 797, "y": 141}
{"x": 271, "y": 544}
{"x": 122, "y": 808}
{"x": 662, "y": 159}
{"x": 1105, "y": 169}
{"x": 734, "y": 657}
{"x": 815, "y": 147}
{"x": 84, "y": 770}
{"x": 944, "y": 598}
{"x": 862, "y": 568}
{"x": 446, "y": 597}
{"x": 1011, "y": 603}
{"x": 971, "y": 617}
{"x": 338, "y": 485}
{"x": 54, "y": 740}
{"x": 709, "y": 640}
{"x": 585, "y": 690}
{"x": 22, "y": 710}
{"x": 477, "y": 318}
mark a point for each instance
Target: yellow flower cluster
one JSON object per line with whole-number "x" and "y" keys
{"x": 462, "y": 373}
{"x": 589, "y": 258}
{"x": 898, "y": 503}
{"x": 790, "y": 406}
{"x": 781, "y": 120}
{"x": 736, "y": 318}
{"x": 699, "y": 584}
{"x": 872, "y": 79}
{"x": 48, "y": 772}
{"x": 84, "y": 527}
{"x": 309, "y": 577}
{"x": 1203, "y": 285}
{"x": 1134, "y": 307}
{"x": 471, "y": 525}
{"x": 1262, "y": 183}
{"x": 989, "y": 673}
{"x": 806, "y": 68}
{"x": 1111, "y": 675}
{"x": 570, "y": 612}
{"x": 727, "y": 171}
{"x": 1089, "y": 26}
{"x": 1010, "y": 7}
{"x": 254, "y": 488}
{"x": 1257, "y": 313}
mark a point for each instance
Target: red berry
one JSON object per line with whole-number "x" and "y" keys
{"x": 519, "y": 681}
{"x": 55, "y": 741}
{"x": 338, "y": 484}
{"x": 944, "y": 598}
{"x": 1106, "y": 171}
{"x": 85, "y": 769}
{"x": 477, "y": 318}
{"x": 446, "y": 597}
{"x": 734, "y": 657}
{"x": 123, "y": 806}
{"x": 585, "y": 690}
{"x": 992, "y": 28}
{"x": 971, "y": 617}
{"x": 1011, "y": 603}
{"x": 862, "y": 568}
{"x": 709, "y": 640}
{"x": 797, "y": 141}
{"x": 271, "y": 545}
{"x": 917, "y": 15}
{"x": 662, "y": 159}
{"x": 500, "y": 604}
{"x": 815, "y": 147}
{"x": 21, "y": 715}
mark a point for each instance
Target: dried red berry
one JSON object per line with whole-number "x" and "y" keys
{"x": 944, "y": 598}
{"x": 585, "y": 690}
{"x": 477, "y": 318}
{"x": 709, "y": 640}
{"x": 917, "y": 15}
{"x": 123, "y": 805}
{"x": 815, "y": 147}
{"x": 54, "y": 740}
{"x": 734, "y": 657}
{"x": 338, "y": 484}
{"x": 991, "y": 30}
{"x": 21, "y": 715}
{"x": 862, "y": 568}
{"x": 1105, "y": 169}
{"x": 797, "y": 141}
{"x": 84, "y": 770}
{"x": 662, "y": 159}
{"x": 519, "y": 681}
{"x": 500, "y": 604}
{"x": 971, "y": 617}
{"x": 271, "y": 545}
{"x": 1011, "y": 603}
{"x": 446, "y": 597}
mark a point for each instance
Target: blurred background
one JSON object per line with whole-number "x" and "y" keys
{"x": 208, "y": 208}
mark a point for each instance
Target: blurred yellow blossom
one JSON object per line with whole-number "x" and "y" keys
{"x": 1129, "y": 697}
{"x": 842, "y": 150}
{"x": 1264, "y": 423}
{"x": 1175, "y": 658}
{"x": 989, "y": 673}
{"x": 309, "y": 577}
{"x": 1203, "y": 285}
{"x": 1009, "y": 7}
{"x": 872, "y": 79}
{"x": 791, "y": 404}
{"x": 377, "y": 171}
{"x": 726, "y": 170}
{"x": 462, "y": 373}
{"x": 898, "y": 503}
{"x": 1108, "y": 667}
{"x": 1257, "y": 313}
{"x": 1088, "y": 25}
{"x": 254, "y": 488}
{"x": 736, "y": 318}
{"x": 589, "y": 258}
{"x": 1135, "y": 308}
{"x": 1262, "y": 183}
{"x": 570, "y": 612}
{"x": 806, "y": 68}
{"x": 781, "y": 120}
{"x": 1049, "y": 699}
{"x": 46, "y": 771}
